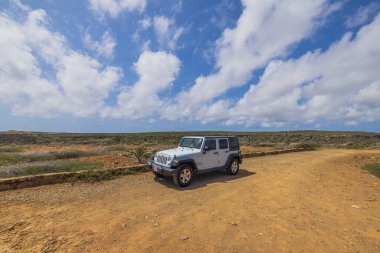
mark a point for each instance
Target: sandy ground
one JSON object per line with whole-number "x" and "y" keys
{"x": 319, "y": 201}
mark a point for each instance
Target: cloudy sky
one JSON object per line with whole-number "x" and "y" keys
{"x": 171, "y": 65}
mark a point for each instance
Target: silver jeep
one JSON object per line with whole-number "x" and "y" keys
{"x": 196, "y": 155}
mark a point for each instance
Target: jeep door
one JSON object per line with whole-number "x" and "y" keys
{"x": 223, "y": 151}
{"x": 211, "y": 156}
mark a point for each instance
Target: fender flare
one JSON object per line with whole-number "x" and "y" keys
{"x": 188, "y": 161}
{"x": 231, "y": 157}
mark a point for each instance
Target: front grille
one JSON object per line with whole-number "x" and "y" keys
{"x": 162, "y": 159}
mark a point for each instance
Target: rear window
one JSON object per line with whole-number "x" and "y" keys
{"x": 211, "y": 144}
{"x": 223, "y": 144}
{"x": 234, "y": 143}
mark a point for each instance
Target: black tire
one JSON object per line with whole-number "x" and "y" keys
{"x": 184, "y": 175}
{"x": 233, "y": 167}
{"x": 157, "y": 174}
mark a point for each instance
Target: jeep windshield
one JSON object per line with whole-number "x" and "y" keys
{"x": 191, "y": 143}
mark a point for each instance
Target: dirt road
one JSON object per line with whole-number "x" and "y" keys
{"x": 319, "y": 201}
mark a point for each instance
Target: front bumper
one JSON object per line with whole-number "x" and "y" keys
{"x": 163, "y": 170}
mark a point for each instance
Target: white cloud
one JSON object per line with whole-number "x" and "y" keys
{"x": 161, "y": 25}
{"x": 104, "y": 47}
{"x": 166, "y": 32}
{"x": 76, "y": 84}
{"x": 341, "y": 84}
{"x": 40, "y": 74}
{"x": 146, "y": 46}
{"x": 265, "y": 30}
{"x": 85, "y": 83}
{"x": 142, "y": 43}
{"x": 156, "y": 71}
{"x": 362, "y": 15}
{"x": 21, "y": 84}
{"x": 177, "y": 6}
{"x": 113, "y": 8}
{"x": 222, "y": 17}
{"x": 145, "y": 23}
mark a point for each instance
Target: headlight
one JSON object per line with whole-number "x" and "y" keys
{"x": 174, "y": 163}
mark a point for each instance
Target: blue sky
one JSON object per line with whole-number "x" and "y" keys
{"x": 166, "y": 65}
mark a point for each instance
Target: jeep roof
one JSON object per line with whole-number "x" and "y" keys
{"x": 209, "y": 136}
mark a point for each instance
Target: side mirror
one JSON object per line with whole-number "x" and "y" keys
{"x": 205, "y": 149}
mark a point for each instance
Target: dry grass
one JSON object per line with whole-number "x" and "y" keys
{"x": 36, "y": 168}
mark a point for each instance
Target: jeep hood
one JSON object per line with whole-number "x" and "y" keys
{"x": 180, "y": 152}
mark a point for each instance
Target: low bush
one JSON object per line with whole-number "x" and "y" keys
{"x": 373, "y": 168}
{"x": 141, "y": 154}
{"x": 46, "y": 167}
{"x": 7, "y": 159}
{"x": 67, "y": 154}
{"x": 359, "y": 145}
{"x": 119, "y": 148}
{"x": 266, "y": 145}
{"x": 310, "y": 146}
{"x": 11, "y": 158}
{"x": 10, "y": 149}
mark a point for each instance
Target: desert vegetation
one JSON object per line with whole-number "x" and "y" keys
{"x": 29, "y": 153}
{"x": 373, "y": 168}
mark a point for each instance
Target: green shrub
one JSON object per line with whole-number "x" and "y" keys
{"x": 7, "y": 159}
{"x": 35, "y": 157}
{"x": 373, "y": 168}
{"x": 266, "y": 145}
{"x": 119, "y": 148}
{"x": 310, "y": 146}
{"x": 10, "y": 149}
{"x": 359, "y": 145}
{"x": 67, "y": 154}
{"x": 140, "y": 153}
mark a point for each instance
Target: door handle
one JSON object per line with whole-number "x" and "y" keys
{"x": 227, "y": 151}
{"x": 215, "y": 153}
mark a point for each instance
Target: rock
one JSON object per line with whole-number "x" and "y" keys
{"x": 10, "y": 228}
{"x": 123, "y": 225}
{"x": 184, "y": 237}
{"x": 233, "y": 223}
{"x": 355, "y": 206}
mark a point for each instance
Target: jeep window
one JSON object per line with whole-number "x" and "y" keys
{"x": 223, "y": 144}
{"x": 191, "y": 143}
{"x": 211, "y": 144}
{"x": 234, "y": 143}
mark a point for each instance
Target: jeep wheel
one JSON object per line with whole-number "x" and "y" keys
{"x": 233, "y": 168}
{"x": 157, "y": 174}
{"x": 183, "y": 176}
